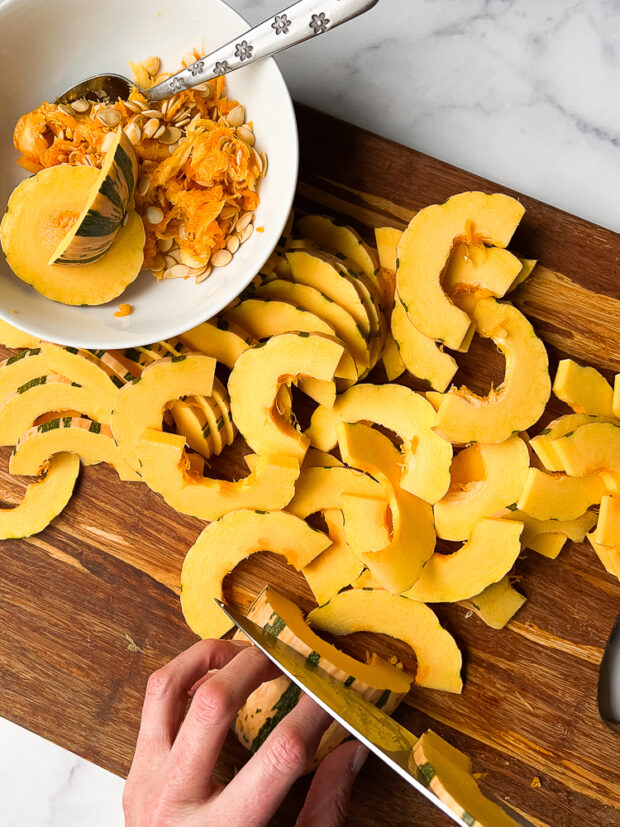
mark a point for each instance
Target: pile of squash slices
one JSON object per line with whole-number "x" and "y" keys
{"x": 390, "y": 470}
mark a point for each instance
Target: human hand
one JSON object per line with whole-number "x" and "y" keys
{"x": 170, "y": 784}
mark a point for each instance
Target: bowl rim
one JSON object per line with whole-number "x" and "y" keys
{"x": 167, "y": 331}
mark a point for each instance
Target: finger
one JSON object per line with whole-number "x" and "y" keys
{"x": 165, "y": 699}
{"x": 209, "y": 717}
{"x": 328, "y": 799}
{"x": 256, "y": 792}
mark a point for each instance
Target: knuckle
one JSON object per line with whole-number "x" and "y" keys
{"x": 288, "y": 752}
{"x": 212, "y": 702}
{"x": 160, "y": 683}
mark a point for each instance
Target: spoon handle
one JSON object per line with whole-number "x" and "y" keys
{"x": 293, "y": 25}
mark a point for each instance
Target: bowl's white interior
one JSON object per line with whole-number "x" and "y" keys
{"x": 49, "y": 45}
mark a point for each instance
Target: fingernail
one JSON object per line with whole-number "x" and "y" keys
{"x": 359, "y": 758}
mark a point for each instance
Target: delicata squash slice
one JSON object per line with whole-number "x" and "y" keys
{"x": 37, "y": 220}
{"x": 43, "y": 500}
{"x": 337, "y": 566}
{"x": 13, "y": 337}
{"x": 583, "y": 389}
{"x": 225, "y": 543}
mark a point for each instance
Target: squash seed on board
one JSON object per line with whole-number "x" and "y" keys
{"x": 154, "y": 215}
{"x": 221, "y": 258}
{"x": 109, "y": 117}
{"x": 81, "y": 105}
{"x": 236, "y": 116}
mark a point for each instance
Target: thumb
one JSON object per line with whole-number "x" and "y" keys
{"x": 328, "y": 798}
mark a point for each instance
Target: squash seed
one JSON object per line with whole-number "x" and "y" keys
{"x": 133, "y": 106}
{"x": 232, "y": 245}
{"x": 66, "y": 109}
{"x": 221, "y": 258}
{"x": 81, "y": 105}
{"x": 192, "y": 261}
{"x": 228, "y": 212}
{"x": 152, "y": 64}
{"x": 61, "y": 135}
{"x": 170, "y": 261}
{"x": 236, "y": 116}
{"x": 164, "y": 244}
{"x": 245, "y": 234}
{"x": 243, "y": 220}
{"x": 173, "y": 148}
{"x": 204, "y": 89}
{"x": 154, "y": 215}
{"x": 69, "y": 134}
{"x": 175, "y": 255}
{"x": 177, "y": 271}
{"x": 152, "y": 113}
{"x": 158, "y": 263}
{"x": 170, "y": 135}
{"x": 182, "y": 123}
{"x": 143, "y": 185}
{"x": 133, "y": 132}
{"x": 245, "y": 134}
{"x": 151, "y": 127}
{"x": 189, "y": 58}
{"x": 109, "y": 117}
{"x": 205, "y": 275}
{"x": 263, "y": 158}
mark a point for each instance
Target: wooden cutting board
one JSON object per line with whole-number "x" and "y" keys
{"x": 90, "y": 607}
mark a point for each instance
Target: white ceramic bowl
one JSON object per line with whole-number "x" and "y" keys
{"x": 48, "y": 45}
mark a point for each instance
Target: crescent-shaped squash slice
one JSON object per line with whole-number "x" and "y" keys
{"x": 13, "y": 337}
{"x": 218, "y": 338}
{"x": 320, "y": 459}
{"x": 427, "y": 457}
{"x": 608, "y": 555}
{"x": 104, "y": 211}
{"x": 583, "y": 389}
{"x": 256, "y": 378}
{"x": 591, "y": 447}
{"x": 336, "y": 567}
{"x": 476, "y": 266}
{"x": 376, "y": 681}
{"x": 37, "y": 219}
{"x": 191, "y": 423}
{"x": 425, "y": 248}
{"x": 616, "y": 399}
{"x": 497, "y": 604}
{"x": 611, "y": 480}
{"x": 421, "y": 356}
{"x": 448, "y": 773}
{"x": 548, "y": 545}
{"x": 40, "y": 395}
{"x": 575, "y": 529}
{"x": 165, "y": 468}
{"x": 608, "y": 527}
{"x": 43, "y": 500}
{"x": 485, "y": 558}
{"x": 543, "y": 443}
{"x": 528, "y": 266}
{"x": 558, "y": 497}
{"x": 91, "y": 441}
{"x": 387, "y": 239}
{"x": 83, "y": 367}
{"x": 398, "y": 564}
{"x": 312, "y": 300}
{"x": 339, "y": 239}
{"x": 20, "y": 368}
{"x": 519, "y": 401}
{"x": 504, "y": 471}
{"x": 392, "y": 360}
{"x": 376, "y": 610}
{"x": 141, "y": 403}
{"x": 225, "y": 543}
{"x": 320, "y": 488}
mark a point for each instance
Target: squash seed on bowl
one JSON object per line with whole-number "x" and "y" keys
{"x": 164, "y": 244}
{"x": 152, "y": 113}
{"x": 245, "y": 234}
{"x": 170, "y": 135}
{"x": 152, "y": 65}
{"x": 236, "y": 116}
{"x": 177, "y": 271}
{"x": 233, "y": 244}
{"x": 205, "y": 275}
{"x": 243, "y": 220}
{"x": 221, "y": 258}
{"x": 133, "y": 106}
{"x": 143, "y": 186}
{"x": 151, "y": 127}
{"x": 109, "y": 117}
{"x": 66, "y": 109}
{"x": 246, "y": 135}
{"x": 80, "y": 105}
{"x": 133, "y": 132}
{"x": 153, "y": 215}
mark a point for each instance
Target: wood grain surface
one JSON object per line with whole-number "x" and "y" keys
{"x": 90, "y": 607}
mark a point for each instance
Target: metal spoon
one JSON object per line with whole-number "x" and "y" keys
{"x": 609, "y": 681}
{"x": 295, "y": 24}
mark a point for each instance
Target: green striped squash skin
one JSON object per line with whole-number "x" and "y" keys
{"x": 108, "y": 208}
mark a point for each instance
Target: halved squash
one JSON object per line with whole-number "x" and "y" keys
{"x": 91, "y": 441}
{"x": 40, "y": 395}
{"x": 165, "y": 468}
{"x": 256, "y": 378}
{"x": 583, "y": 389}
{"x": 225, "y": 543}
{"x": 608, "y": 555}
{"x": 558, "y": 497}
{"x": 491, "y": 270}
{"x": 398, "y": 564}
{"x": 424, "y": 250}
{"x": 427, "y": 457}
{"x": 105, "y": 209}
{"x": 497, "y": 604}
{"x": 519, "y": 401}
{"x": 377, "y": 681}
{"x": 608, "y": 527}
{"x": 575, "y": 529}
{"x": 336, "y": 567}
{"x": 321, "y": 488}
{"x": 35, "y": 221}
{"x": 543, "y": 443}
{"x": 504, "y": 471}
{"x": 43, "y": 500}
{"x": 13, "y": 337}
{"x": 591, "y": 447}
{"x": 421, "y": 356}
{"x": 448, "y": 773}
{"x": 141, "y": 403}
{"x": 485, "y": 558}
{"x": 376, "y": 610}
{"x": 218, "y": 338}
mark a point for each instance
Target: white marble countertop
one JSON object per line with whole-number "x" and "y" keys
{"x": 520, "y": 91}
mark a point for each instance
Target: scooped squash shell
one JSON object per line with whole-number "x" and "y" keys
{"x": 43, "y": 500}
{"x": 165, "y": 469}
{"x": 583, "y": 389}
{"x": 519, "y": 401}
{"x": 225, "y": 543}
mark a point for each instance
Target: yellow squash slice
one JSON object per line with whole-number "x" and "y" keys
{"x": 190, "y": 421}
{"x": 559, "y": 497}
{"x": 608, "y": 527}
{"x": 91, "y": 441}
{"x": 37, "y": 219}
{"x": 503, "y": 471}
{"x": 519, "y": 401}
{"x": 608, "y": 555}
{"x": 340, "y": 239}
{"x": 543, "y": 443}
{"x": 13, "y": 337}
{"x": 258, "y": 375}
{"x": 427, "y": 457}
{"x": 320, "y": 488}
{"x": 225, "y": 543}
{"x": 485, "y": 558}
{"x": 19, "y": 369}
{"x": 616, "y": 399}
{"x": 528, "y": 266}
{"x": 388, "y": 239}
{"x": 376, "y": 610}
{"x": 491, "y": 270}
{"x": 336, "y": 567}
{"x": 591, "y": 447}
{"x": 218, "y": 338}
{"x": 448, "y": 774}
{"x": 43, "y": 501}
{"x": 574, "y": 530}
{"x": 140, "y": 404}
{"x": 165, "y": 469}
{"x": 547, "y": 545}
{"x": 497, "y": 604}
{"x": 392, "y": 360}
{"x": 583, "y": 389}
{"x": 425, "y": 248}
